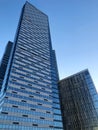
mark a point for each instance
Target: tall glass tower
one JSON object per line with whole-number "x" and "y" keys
{"x": 31, "y": 99}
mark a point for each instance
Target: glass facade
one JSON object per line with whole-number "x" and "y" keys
{"x": 31, "y": 100}
{"x": 79, "y": 101}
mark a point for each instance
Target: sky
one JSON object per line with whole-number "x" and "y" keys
{"x": 74, "y": 32}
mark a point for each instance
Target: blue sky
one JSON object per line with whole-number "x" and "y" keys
{"x": 74, "y": 31}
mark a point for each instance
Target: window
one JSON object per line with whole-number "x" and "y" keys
{"x": 14, "y": 80}
{"x": 45, "y": 100}
{"x": 35, "y": 81}
{"x": 6, "y": 97}
{"x": 22, "y": 77}
{"x": 22, "y": 88}
{"x": 42, "y": 118}
{"x": 35, "y": 124}
{"x": 14, "y": 92}
{"x": 30, "y": 84}
{"x": 33, "y": 109}
{"x": 43, "y": 88}
{"x": 39, "y": 104}
{"x": 14, "y": 106}
{"x": 4, "y": 112}
{"x": 23, "y": 100}
{"x": 51, "y": 126}
{"x": 38, "y": 92}
{"x": 16, "y": 123}
{"x": 25, "y": 115}
{"x": 47, "y": 111}
{"x": 31, "y": 96}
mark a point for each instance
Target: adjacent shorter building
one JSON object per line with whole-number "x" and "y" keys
{"x": 79, "y": 101}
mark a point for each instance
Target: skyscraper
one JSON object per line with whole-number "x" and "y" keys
{"x": 79, "y": 101}
{"x": 31, "y": 100}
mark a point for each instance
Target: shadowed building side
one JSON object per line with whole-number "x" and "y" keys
{"x": 4, "y": 62}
